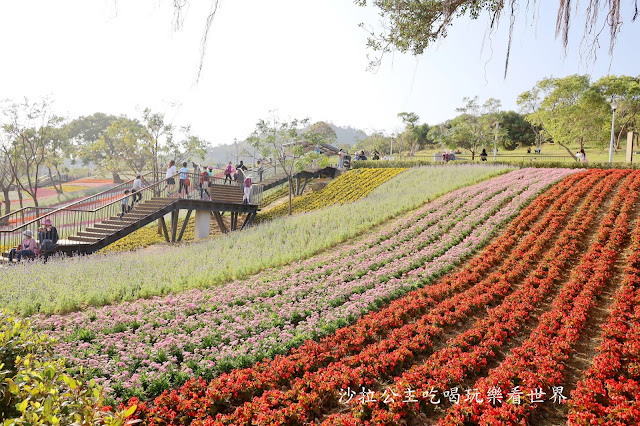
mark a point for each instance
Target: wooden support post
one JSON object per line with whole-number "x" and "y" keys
{"x": 248, "y": 220}
{"x": 234, "y": 221}
{"x": 174, "y": 224}
{"x": 221, "y": 224}
{"x": 298, "y": 185}
{"x": 306, "y": 180}
{"x": 184, "y": 225}
{"x": 164, "y": 228}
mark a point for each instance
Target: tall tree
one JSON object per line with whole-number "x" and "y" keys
{"x": 30, "y": 129}
{"x": 122, "y": 147}
{"x": 516, "y": 131}
{"x": 184, "y": 146}
{"x": 7, "y": 180}
{"x": 411, "y": 135}
{"x": 567, "y": 111}
{"x": 283, "y": 141}
{"x": 85, "y": 132}
{"x": 325, "y": 131}
{"x": 626, "y": 90}
{"x": 158, "y": 132}
{"x": 473, "y": 127}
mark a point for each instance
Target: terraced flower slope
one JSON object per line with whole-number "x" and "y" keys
{"x": 503, "y": 340}
{"x": 145, "y": 347}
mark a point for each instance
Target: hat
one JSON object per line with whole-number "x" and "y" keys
{"x": 28, "y": 233}
{"x": 210, "y": 167}
{"x": 47, "y": 222}
{"x": 250, "y": 176}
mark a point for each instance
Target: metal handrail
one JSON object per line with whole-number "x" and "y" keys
{"x": 70, "y": 221}
{"x": 67, "y": 219}
{"x": 29, "y": 211}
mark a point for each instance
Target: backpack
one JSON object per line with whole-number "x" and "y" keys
{"x": 205, "y": 176}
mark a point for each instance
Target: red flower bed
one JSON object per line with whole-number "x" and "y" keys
{"x": 538, "y": 363}
{"x": 609, "y": 392}
{"x": 469, "y": 352}
{"x": 317, "y": 371}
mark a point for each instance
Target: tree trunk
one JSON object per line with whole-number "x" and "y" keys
{"x": 116, "y": 177}
{"x": 290, "y": 195}
{"x": 473, "y": 155}
{"x": 568, "y": 150}
{"x": 7, "y": 204}
{"x": 58, "y": 190}
{"x": 7, "y": 200}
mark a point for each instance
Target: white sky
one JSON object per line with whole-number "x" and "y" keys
{"x": 304, "y": 58}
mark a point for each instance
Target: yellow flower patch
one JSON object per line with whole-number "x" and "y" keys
{"x": 347, "y": 188}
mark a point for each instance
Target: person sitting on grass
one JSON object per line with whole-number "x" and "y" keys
{"x": 48, "y": 236}
{"x": 28, "y": 248}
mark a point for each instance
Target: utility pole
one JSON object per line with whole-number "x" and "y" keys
{"x": 495, "y": 143}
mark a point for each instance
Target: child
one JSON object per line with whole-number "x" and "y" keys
{"x": 125, "y": 203}
{"x": 227, "y": 173}
{"x": 204, "y": 184}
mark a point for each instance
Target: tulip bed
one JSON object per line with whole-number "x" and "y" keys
{"x": 145, "y": 347}
{"x": 502, "y": 328}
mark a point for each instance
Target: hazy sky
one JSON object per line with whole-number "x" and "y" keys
{"x": 305, "y": 58}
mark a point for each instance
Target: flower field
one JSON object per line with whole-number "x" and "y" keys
{"x": 77, "y": 282}
{"x": 386, "y": 330}
{"x": 142, "y": 348}
{"x": 513, "y": 300}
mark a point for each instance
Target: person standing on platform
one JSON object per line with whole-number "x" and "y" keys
{"x": 171, "y": 181}
{"x": 247, "y": 190}
{"x": 184, "y": 180}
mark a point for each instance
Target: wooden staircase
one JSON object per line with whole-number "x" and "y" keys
{"x": 144, "y": 212}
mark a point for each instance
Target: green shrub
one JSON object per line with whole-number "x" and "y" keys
{"x": 34, "y": 388}
{"x": 519, "y": 164}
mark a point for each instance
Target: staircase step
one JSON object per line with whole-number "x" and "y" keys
{"x": 106, "y": 225}
{"x": 90, "y": 234}
{"x": 130, "y": 215}
{"x": 84, "y": 239}
{"x": 99, "y": 231}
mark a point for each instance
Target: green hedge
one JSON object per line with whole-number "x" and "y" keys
{"x": 521, "y": 164}
{"x": 34, "y": 388}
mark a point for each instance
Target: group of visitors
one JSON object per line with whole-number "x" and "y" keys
{"x": 538, "y": 150}
{"x": 344, "y": 158}
{"x": 231, "y": 174}
{"x": 30, "y": 248}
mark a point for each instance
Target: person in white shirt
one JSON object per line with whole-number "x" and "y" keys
{"x": 135, "y": 189}
{"x": 582, "y": 156}
{"x": 171, "y": 172}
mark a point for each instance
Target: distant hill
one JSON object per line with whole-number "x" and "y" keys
{"x": 222, "y": 154}
{"x": 347, "y": 135}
